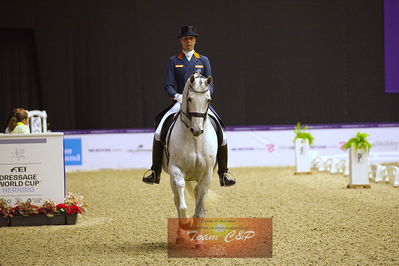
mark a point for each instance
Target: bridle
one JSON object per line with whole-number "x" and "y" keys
{"x": 187, "y": 112}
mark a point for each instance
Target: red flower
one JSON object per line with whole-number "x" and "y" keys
{"x": 73, "y": 209}
{"x": 42, "y": 210}
{"x": 61, "y": 206}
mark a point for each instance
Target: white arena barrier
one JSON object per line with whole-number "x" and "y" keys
{"x": 248, "y": 146}
{"x": 322, "y": 164}
{"x": 333, "y": 166}
{"x": 372, "y": 170}
{"x": 379, "y": 173}
{"x": 316, "y": 162}
{"x": 392, "y": 172}
{"x": 343, "y": 167}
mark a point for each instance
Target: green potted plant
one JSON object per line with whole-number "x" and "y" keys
{"x": 359, "y": 142}
{"x": 359, "y": 148}
{"x": 300, "y": 133}
{"x": 302, "y": 140}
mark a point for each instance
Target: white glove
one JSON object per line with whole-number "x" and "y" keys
{"x": 179, "y": 98}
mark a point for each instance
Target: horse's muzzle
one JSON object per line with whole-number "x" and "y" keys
{"x": 196, "y": 132}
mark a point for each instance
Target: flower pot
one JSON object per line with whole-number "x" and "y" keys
{"x": 358, "y": 168}
{"x": 71, "y": 219}
{"x": 57, "y": 219}
{"x": 303, "y": 161}
{"x": 37, "y": 220}
{"x": 4, "y": 221}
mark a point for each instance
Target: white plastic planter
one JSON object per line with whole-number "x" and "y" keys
{"x": 358, "y": 168}
{"x": 303, "y": 158}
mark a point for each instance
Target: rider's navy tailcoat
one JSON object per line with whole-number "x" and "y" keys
{"x": 180, "y": 69}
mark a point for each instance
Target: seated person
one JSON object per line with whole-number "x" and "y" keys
{"x": 18, "y": 123}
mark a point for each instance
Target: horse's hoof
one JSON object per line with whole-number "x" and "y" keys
{"x": 185, "y": 223}
{"x": 199, "y": 246}
{"x": 179, "y": 240}
{"x": 192, "y": 235}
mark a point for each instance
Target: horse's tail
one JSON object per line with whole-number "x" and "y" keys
{"x": 212, "y": 197}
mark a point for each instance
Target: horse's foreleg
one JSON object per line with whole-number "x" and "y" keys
{"x": 200, "y": 193}
{"x": 181, "y": 233}
{"x": 177, "y": 182}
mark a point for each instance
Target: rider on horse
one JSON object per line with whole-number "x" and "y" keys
{"x": 180, "y": 68}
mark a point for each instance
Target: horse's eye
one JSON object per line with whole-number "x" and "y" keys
{"x": 189, "y": 99}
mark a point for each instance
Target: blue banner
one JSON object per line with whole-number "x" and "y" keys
{"x": 73, "y": 151}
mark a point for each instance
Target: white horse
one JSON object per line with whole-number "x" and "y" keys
{"x": 192, "y": 147}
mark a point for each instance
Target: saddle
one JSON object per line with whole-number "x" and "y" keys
{"x": 167, "y": 126}
{"x": 171, "y": 119}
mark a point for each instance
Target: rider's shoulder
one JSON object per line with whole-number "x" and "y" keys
{"x": 173, "y": 57}
{"x": 204, "y": 60}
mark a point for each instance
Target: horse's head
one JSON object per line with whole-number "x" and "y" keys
{"x": 196, "y": 99}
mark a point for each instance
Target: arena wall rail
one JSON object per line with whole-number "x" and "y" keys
{"x": 248, "y": 146}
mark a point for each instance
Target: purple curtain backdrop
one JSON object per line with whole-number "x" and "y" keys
{"x": 391, "y": 39}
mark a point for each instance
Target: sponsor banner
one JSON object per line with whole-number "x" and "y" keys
{"x": 276, "y": 148}
{"x": 221, "y": 238}
{"x": 32, "y": 167}
{"x": 108, "y": 151}
{"x": 247, "y": 148}
{"x": 73, "y": 151}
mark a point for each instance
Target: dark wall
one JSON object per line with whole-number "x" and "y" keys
{"x": 102, "y": 64}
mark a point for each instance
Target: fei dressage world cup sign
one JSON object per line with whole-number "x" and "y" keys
{"x": 32, "y": 167}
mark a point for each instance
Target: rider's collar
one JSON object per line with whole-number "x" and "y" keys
{"x": 188, "y": 54}
{"x": 181, "y": 54}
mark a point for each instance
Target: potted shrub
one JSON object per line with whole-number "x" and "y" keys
{"x": 49, "y": 213}
{"x": 5, "y": 210}
{"x": 359, "y": 148}
{"x": 302, "y": 140}
{"x": 26, "y": 213}
{"x": 73, "y": 205}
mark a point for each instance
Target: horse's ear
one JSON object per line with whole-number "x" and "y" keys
{"x": 192, "y": 78}
{"x": 209, "y": 80}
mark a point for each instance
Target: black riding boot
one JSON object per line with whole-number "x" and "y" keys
{"x": 157, "y": 152}
{"x": 225, "y": 180}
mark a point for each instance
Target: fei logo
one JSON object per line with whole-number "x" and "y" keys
{"x": 73, "y": 151}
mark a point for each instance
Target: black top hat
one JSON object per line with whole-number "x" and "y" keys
{"x": 188, "y": 31}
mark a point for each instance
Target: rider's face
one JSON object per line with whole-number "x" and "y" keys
{"x": 188, "y": 43}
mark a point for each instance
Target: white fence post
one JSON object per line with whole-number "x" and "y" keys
{"x": 358, "y": 168}
{"x": 303, "y": 160}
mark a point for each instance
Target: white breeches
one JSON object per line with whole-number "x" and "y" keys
{"x": 176, "y": 108}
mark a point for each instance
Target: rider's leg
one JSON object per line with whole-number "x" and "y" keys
{"x": 157, "y": 150}
{"x": 222, "y": 156}
{"x": 157, "y": 153}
